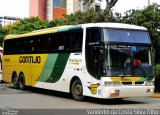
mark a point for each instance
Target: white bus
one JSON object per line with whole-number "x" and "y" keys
{"x": 101, "y": 60}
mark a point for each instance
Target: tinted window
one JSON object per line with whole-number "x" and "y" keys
{"x": 70, "y": 41}
{"x": 129, "y": 36}
{"x": 93, "y": 35}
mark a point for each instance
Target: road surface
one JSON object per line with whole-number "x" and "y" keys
{"x": 34, "y": 98}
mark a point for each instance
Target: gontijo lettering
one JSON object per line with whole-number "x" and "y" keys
{"x": 29, "y": 59}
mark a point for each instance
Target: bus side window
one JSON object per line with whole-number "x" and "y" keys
{"x": 45, "y": 43}
{"x": 73, "y": 41}
{"x": 93, "y": 54}
{"x": 21, "y": 46}
{"x": 93, "y": 35}
{"x": 69, "y": 41}
{"x": 61, "y": 41}
{"x": 53, "y": 43}
{"x": 31, "y": 48}
{"x": 9, "y": 46}
{"x": 37, "y": 44}
{"x": 78, "y": 40}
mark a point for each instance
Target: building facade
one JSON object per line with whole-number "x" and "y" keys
{"x": 53, "y": 9}
{"x": 7, "y": 20}
{"x": 37, "y": 8}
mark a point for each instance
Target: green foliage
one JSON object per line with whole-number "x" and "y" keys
{"x": 27, "y": 25}
{"x": 157, "y": 78}
{"x": 91, "y": 16}
{"x": 157, "y": 70}
{"x": 1, "y": 35}
{"x": 149, "y": 18}
{"x": 23, "y": 26}
{"x": 1, "y": 32}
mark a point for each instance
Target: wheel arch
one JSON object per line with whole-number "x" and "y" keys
{"x": 72, "y": 80}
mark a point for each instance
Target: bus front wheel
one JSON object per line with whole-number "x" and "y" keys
{"x": 21, "y": 82}
{"x": 77, "y": 90}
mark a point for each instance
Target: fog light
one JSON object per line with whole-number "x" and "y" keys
{"x": 149, "y": 90}
{"x": 114, "y": 93}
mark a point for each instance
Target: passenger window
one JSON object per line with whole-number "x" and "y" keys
{"x": 70, "y": 41}
{"x": 78, "y": 39}
{"x": 93, "y": 35}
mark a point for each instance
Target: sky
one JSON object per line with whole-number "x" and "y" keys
{"x": 15, "y": 8}
{"x": 124, "y": 5}
{"x": 20, "y": 8}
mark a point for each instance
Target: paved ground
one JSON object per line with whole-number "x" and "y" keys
{"x": 40, "y": 102}
{"x": 0, "y": 77}
{"x": 0, "y": 73}
{"x": 34, "y": 98}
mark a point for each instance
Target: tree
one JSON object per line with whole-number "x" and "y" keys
{"x": 26, "y": 25}
{"x": 1, "y": 34}
{"x": 91, "y": 16}
{"x": 149, "y": 18}
{"x": 23, "y": 26}
{"x": 111, "y": 3}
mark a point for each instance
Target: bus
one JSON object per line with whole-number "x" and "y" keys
{"x": 101, "y": 60}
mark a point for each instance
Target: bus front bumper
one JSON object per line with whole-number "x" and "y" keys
{"x": 127, "y": 91}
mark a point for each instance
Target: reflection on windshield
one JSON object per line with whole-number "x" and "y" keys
{"x": 129, "y": 61}
{"x": 126, "y": 36}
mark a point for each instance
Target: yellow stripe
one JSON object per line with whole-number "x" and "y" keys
{"x": 125, "y": 79}
{"x": 37, "y": 32}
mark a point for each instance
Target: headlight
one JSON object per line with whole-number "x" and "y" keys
{"x": 149, "y": 83}
{"x": 111, "y": 83}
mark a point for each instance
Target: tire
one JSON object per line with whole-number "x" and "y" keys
{"x": 118, "y": 99}
{"x": 15, "y": 81}
{"x": 77, "y": 90}
{"x": 21, "y": 82}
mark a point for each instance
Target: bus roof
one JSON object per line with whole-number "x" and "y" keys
{"x": 72, "y": 27}
{"x": 115, "y": 25}
{"x": 44, "y": 31}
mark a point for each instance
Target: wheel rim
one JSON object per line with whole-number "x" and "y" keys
{"x": 21, "y": 83}
{"x": 78, "y": 89}
{"x": 15, "y": 81}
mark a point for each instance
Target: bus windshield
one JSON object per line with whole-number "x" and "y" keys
{"x": 125, "y": 60}
{"x": 126, "y": 36}
{"x": 118, "y": 52}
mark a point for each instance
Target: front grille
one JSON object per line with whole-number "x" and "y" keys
{"x": 139, "y": 83}
{"x": 127, "y": 83}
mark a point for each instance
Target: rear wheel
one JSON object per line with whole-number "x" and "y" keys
{"x": 21, "y": 82}
{"x": 77, "y": 90}
{"x": 15, "y": 81}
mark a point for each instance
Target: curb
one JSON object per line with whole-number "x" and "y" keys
{"x": 156, "y": 95}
